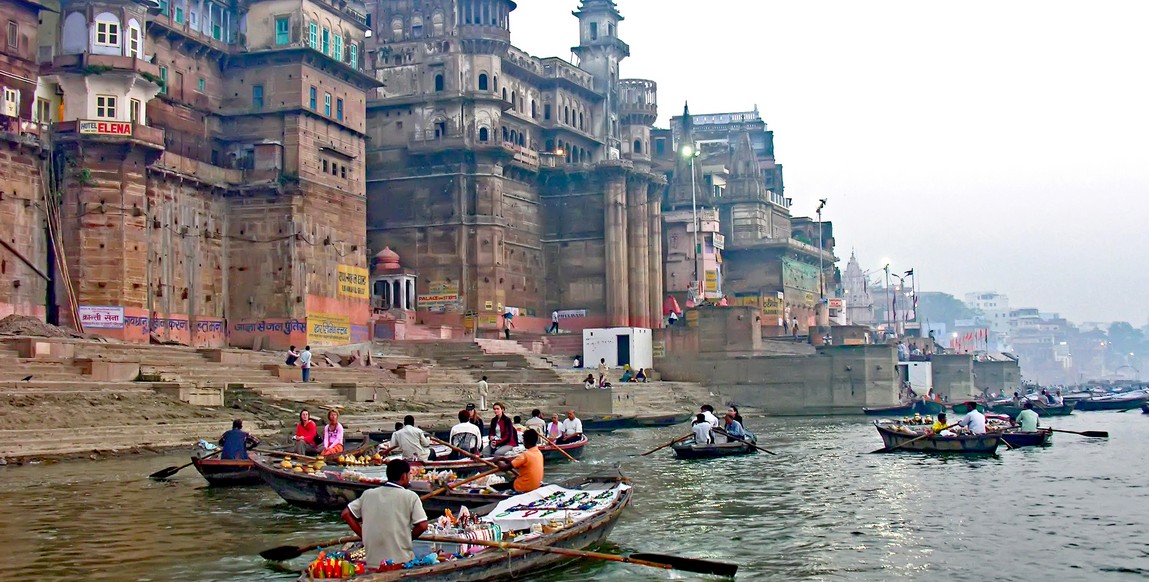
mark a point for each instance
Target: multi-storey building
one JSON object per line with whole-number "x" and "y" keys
{"x": 208, "y": 162}
{"x": 510, "y": 182}
{"x": 722, "y": 168}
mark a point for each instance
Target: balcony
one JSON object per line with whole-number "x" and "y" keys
{"x": 109, "y": 132}
{"x": 89, "y": 64}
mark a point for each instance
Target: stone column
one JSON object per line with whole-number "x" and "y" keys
{"x": 638, "y": 252}
{"x": 654, "y": 252}
{"x": 617, "y": 281}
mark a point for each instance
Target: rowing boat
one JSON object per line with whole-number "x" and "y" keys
{"x": 1120, "y": 402}
{"x": 573, "y": 448}
{"x": 689, "y": 450}
{"x": 588, "y": 530}
{"x": 969, "y": 444}
{"x": 1011, "y": 410}
{"x": 226, "y": 472}
{"x": 611, "y": 423}
{"x": 1042, "y": 437}
{"x": 920, "y": 406}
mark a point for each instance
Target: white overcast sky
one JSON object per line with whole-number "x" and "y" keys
{"x": 989, "y": 145}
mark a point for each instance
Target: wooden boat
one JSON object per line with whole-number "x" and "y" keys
{"x": 1042, "y": 437}
{"x": 327, "y": 491}
{"x": 573, "y": 449}
{"x": 900, "y": 410}
{"x": 688, "y": 450}
{"x": 493, "y": 564}
{"x": 1114, "y": 402}
{"x": 1013, "y": 410}
{"x": 225, "y": 472}
{"x": 969, "y": 444}
{"x": 611, "y": 423}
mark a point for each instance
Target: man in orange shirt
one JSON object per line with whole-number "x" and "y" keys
{"x": 529, "y": 464}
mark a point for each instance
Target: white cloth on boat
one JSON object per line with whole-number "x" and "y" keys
{"x": 517, "y": 520}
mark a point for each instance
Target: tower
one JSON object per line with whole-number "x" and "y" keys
{"x": 600, "y": 51}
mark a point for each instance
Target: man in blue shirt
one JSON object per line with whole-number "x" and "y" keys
{"x": 236, "y": 442}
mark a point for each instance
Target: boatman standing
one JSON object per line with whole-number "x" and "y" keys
{"x": 1028, "y": 418}
{"x": 974, "y": 420}
{"x": 387, "y": 518}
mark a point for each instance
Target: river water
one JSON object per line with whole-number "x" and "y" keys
{"x": 822, "y": 509}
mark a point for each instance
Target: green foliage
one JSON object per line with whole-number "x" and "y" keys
{"x": 94, "y": 70}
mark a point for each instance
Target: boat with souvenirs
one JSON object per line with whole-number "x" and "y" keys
{"x": 902, "y": 437}
{"x": 312, "y": 484}
{"x": 574, "y": 515}
{"x": 233, "y": 472}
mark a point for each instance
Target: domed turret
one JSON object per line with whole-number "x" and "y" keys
{"x": 386, "y": 260}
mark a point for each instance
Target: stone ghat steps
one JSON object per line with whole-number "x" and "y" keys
{"x": 73, "y": 387}
{"x": 21, "y": 442}
{"x": 18, "y": 369}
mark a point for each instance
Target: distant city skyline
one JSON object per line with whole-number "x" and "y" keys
{"x": 989, "y": 146}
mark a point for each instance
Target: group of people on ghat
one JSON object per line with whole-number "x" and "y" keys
{"x": 705, "y": 424}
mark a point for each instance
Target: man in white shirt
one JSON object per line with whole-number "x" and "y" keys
{"x": 974, "y": 419}
{"x": 387, "y": 518}
{"x": 572, "y": 429}
{"x": 701, "y": 430}
{"x": 602, "y": 370}
{"x": 483, "y": 393}
{"x": 412, "y": 442}
{"x": 536, "y": 422}
{"x": 709, "y": 417}
{"x": 466, "y": 435}
{"x": 554, "y": 322}
{"x": 305, "y": 363}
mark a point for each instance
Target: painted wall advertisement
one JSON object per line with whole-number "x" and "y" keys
{"x": 441, "y": 297}
{"x": 325, "y": 329}
{"x": 102, "y": 316}
{"x": 352, "y": 281}
{"x": 800, "y": 281}
{"x": 774, "y": 308}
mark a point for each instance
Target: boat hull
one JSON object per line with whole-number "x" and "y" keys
{"x": 610, "y": 423}
{"x": 230, "y": 472}
{"x": 969, "y": 444}
{"x": 1042, "y": 437}
{"x": 1047, "y": 410}
{"x": 907, "y": 410}
{"x": 689, "y": 451}
{"x": 1114, "y": 404}
{"x": 514, "y": 564}
{"x": 1145, "y": 408}
{"x": 574, "y": 449}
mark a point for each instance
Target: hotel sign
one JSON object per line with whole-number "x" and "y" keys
{"x": 105, "y": 128}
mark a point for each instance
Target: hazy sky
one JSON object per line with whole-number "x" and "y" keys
{"x": 989, "y": 145}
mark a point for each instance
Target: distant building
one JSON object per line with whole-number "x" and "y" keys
{"x": 995, "y": 309}
{"x": 856, "y": 287}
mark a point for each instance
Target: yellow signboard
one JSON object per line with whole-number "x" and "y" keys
{"x": 712, "y": 281}
{"x": 352, "y": 281}
{"x": 325, "y": 329}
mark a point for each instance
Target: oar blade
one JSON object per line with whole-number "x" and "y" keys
{"x": 281, "y": 553}
{"x": 690, "y": 564}
{"x": 1097, "y": 434}
{"x": 164, "y": 473}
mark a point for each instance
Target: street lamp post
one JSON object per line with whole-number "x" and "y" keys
{"x": 821, "y": 267}
{"x": 889, "y": 306}
{"x": 690, "y": 151}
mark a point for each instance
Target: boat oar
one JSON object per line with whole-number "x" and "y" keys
{"x": 1097, "y": 434}
{"x": 914, "y": 440}
{"x": 169, "y": 471}
{"x": 457, "y": 483}
{"x": 652, "y": 560}
{"x": 677, "y": 440}
{"x": 723, "y": 432}
{"x": 283, "y": 553}
{"x": 556, "y": 447}
{"x": 469, "y": 455}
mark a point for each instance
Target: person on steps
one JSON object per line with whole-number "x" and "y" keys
{"x": 484, "y": 388}
{"x": 236, "y": 442}
{"x": 305, "y": 363}
{"x": 292, "y": 356}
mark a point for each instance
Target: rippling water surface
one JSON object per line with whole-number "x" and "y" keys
{"x": 822, "y": 509}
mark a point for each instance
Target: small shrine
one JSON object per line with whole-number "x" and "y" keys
{"x": 392, "y": 286}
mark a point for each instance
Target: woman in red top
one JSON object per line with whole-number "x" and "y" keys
{"x": 503, "y": 435}
{"x": 305, "y": 433}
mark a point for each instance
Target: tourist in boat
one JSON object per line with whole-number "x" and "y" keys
{"x": 477, "y": 420}
{"x": 332, "y": 435}
{"x": 627, "y": 375}
{"x": 536, "y": 422}
{"x": 1027, "y": 418}
{"x": 554, "y": 428}
{"x": 940, "y": 424}
{"x": 517, "y": 421}
{"x": 571, "y": 429}
{"x": 733, "y": 428}
{"x": 1058, "y": 399}
{"x": 588, "y": 382}
{"x": 465, "y": 435}
{"x": 529, "y": 464}
{"x": 504, "y": 437}
{"x": 708, "y": 415}
{"x": 236, "y": 442}
{"x": 974, "y": 420}
{"x": 733, "y": 409}
{"x": 306, "y": 434}
{"x": 292, "y": 357}
{"x": 412, "y": 442}
{"x": 701, "y": 429}
{"x": 387, "y": 518}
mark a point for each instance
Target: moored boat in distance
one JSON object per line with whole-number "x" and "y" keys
{"x": 689, "y": 450}
{"x": 967, "y": 444}
{"x": 1012, "y": 410}
{"x": 1115, "y": 402}
{"x": 555, "y": 453}
{"x": 920, "y": 406}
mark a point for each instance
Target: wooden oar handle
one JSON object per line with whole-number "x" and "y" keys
{"x": 552, "y": 443}
{"x": 666, "y": 445}
{"x": 471, "y": 456}
{"x": 547, "y": 549}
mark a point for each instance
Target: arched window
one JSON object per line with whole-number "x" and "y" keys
{"x": 505, "y": 134}
{"x": 107, "y": 37}
{"x": 482, "y": 81}
{"x": 638, "y": 146}
{"x": 397, "y": 29}
{"x": 135, "y": 42}
{"x": 437, "y": 23}
{"x": 74, "y": 39}
{"x": 497, "y": 83}
{"x": 504, "y": 93}
{"x": 534, "y": 110}
{"x": 514, "y": 136}
{"x": 416, "y": 27}
{"x": 580, "y": 121}
{"x": 484, "y": 134}
{"x": 440, "y": 84}
{"x": 514, "y": 100}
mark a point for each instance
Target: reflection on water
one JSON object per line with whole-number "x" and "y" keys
{"x": 822, "y": 509}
